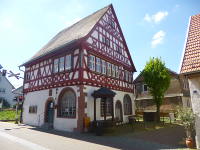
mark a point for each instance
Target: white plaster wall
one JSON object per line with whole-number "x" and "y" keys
{"x": 194, "y": 85}
{"x": 39, "y": 98}
{"x": 90, "y": 103}
{"x": 8, "y": 95}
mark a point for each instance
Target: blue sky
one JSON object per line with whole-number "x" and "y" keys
{"x": 152, "y": 28}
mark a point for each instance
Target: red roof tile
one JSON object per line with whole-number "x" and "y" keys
{"x": 191, "y": 59}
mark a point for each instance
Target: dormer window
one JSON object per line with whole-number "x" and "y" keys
{"x": 112, "y": 23}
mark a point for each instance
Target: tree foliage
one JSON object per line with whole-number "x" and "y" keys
{"x": 157, "y": 78}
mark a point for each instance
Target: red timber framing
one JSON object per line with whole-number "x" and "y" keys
{"x": 39, "y": 73}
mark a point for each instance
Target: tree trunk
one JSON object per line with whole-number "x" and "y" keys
{"x": 158, "y": 113}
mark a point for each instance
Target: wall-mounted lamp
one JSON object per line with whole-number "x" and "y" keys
{"x": 195, "y": 92}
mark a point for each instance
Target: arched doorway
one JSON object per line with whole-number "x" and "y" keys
{"x": 118, "y": 111}
{"x": 49, "y": 111}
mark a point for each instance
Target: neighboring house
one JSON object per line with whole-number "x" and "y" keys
{"x": 18, "y": 92}
{"x": 190, "y": 68}
{"x": 85, "y": 71}
{"x": 6, "y": 89}
{"x": 176, "y": 95}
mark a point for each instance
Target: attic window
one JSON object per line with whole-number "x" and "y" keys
{"x": 112, "y": 23}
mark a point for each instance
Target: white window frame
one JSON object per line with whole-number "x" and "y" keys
{"x": 113, "y": 70}
{"x": 98, "y": 65}
{"x": 56, "y": 65}
{"x": 103, "y": 62}
{"x": 109, "y": 69}
{"x": 91, "y": 62}
{"x": 143, "y": 89}
{"x": 117, "y": 71}
{"x": 68, "y": 62}
{"x": 61, "y": 64}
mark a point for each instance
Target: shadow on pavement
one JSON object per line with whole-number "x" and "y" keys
{"x": 143, "y": 141}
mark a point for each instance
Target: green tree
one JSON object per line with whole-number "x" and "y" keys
{"x": 157, "y": 78}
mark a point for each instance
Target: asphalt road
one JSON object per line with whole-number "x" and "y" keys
{"x": 22, "y": 137}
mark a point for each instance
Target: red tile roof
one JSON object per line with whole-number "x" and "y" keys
{"x": 191, "y": 59}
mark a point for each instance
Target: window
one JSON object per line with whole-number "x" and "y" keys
{"x": 61, "y": 64}
{"x": 127, "y": 105}
{"x": 91, "y": 63}
{"x": 28, "y": 76}
{"x": 113, "y": 70}
{"x": 108, "y": 107}
{"x": 117, "y": 71}
{"x": 109, "y": 69}
{"x": 98, "y": 65}
{"x": 112, "y": 23}
{"x": 103, "y": 39}
{"x": 107, "y": 42}
{"x": 103, "y": 66}
{"x": 55, "y": 68}
{"x": 118, "y": 48}
{"x": 2, "y": 90}
{"x": 145, "y": 88}
{"x": 130, "y": 76}
{"x": 33, "y": 109}
{"x": 126, "y": 75}
{"x": 67, "y": 104}
{"x": 68, "y": 62}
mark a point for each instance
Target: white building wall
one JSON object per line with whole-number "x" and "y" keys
{"x": 39, "y": 99}
{"x": 7, "y": 95}
{"x": 90, "y": 103}
{"x": 194, "y": 84}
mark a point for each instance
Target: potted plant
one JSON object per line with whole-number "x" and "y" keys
{"x": 187, "y": 119}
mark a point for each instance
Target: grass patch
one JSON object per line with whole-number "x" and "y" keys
{"x": 8, "y": 114}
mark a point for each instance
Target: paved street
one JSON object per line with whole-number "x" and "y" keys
{"x": 21, "y": 137}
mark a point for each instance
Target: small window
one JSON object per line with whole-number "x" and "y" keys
{"x": 107, "y": 42}
{"x": 103, "y": 39}
{"x": 32, "y": 109}
{"x": 27, "y": 76}
{"x": 98, "y": 65}
{"x": 109, "y": 69}
{"x": 68, "y": 62}
{"x": 61, "y": 64}
{"x": 113, "y": 70}
{"x": 112, "y": 23}
{"x": 145, "y": 88}
{"x": 91, "y": 62}
{"x": 55, "y": 68}
{"x": 103, "y": 66}
{"x": 130, "y": 77}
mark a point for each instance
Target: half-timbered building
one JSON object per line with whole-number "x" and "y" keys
{"x": 85, "y": 71}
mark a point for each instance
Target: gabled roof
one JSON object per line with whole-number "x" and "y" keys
{"x": 71, "y": 34}
{"x": 7, "y": 80}
{"x": 140, "y": 78}
{"x": 191, "y": 59}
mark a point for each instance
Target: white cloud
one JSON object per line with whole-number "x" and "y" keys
{"x": 157, "y": 38}
{"x": 156, "y": 18}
